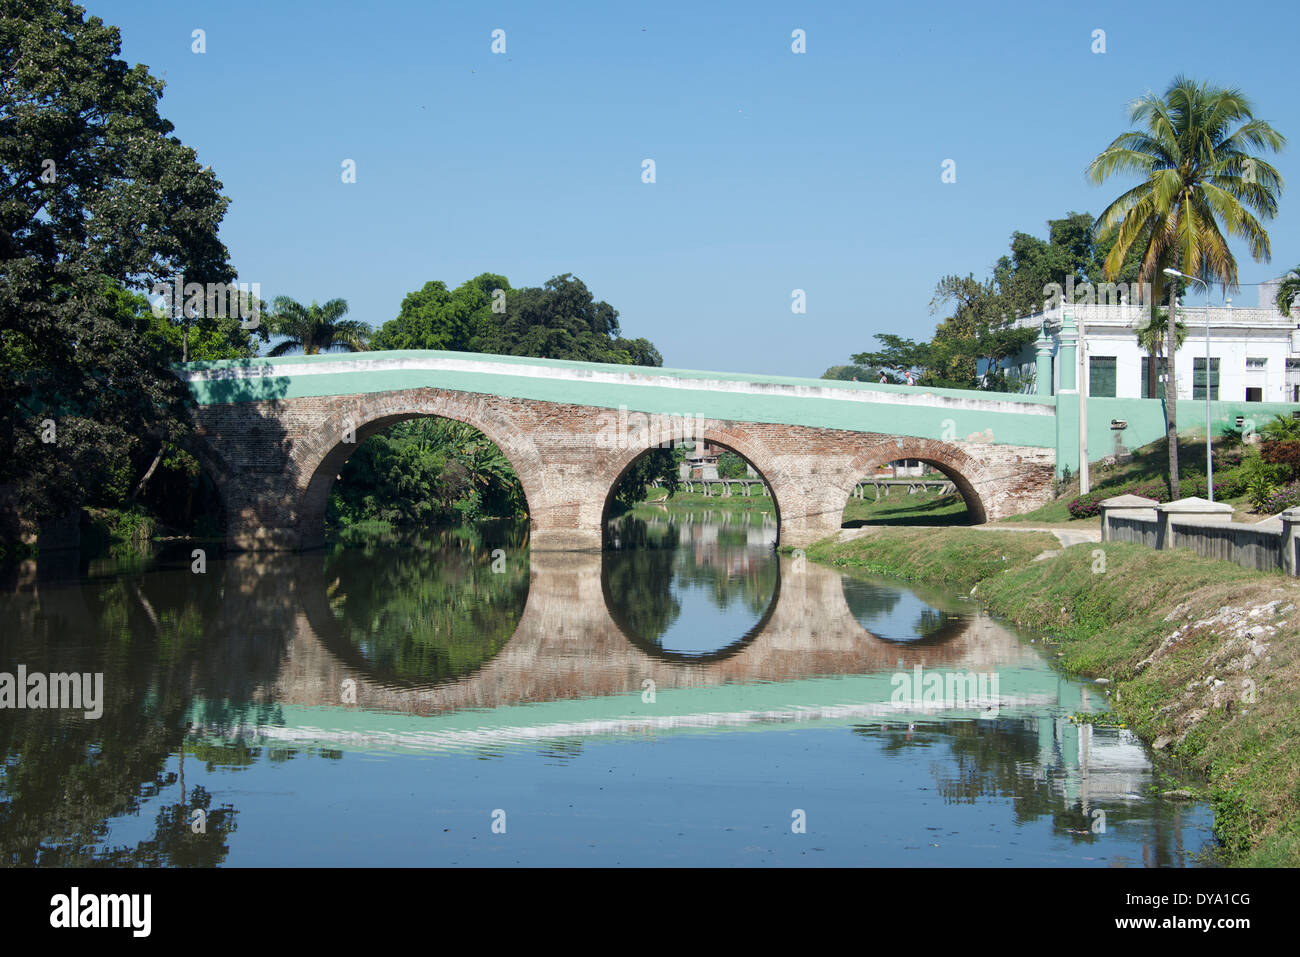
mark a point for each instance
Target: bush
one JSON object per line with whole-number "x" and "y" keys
{"x": 1288, "y": 496}
{"x": 1089, "y": 506}
{"x": 1259, "y": 490}
{"x": 1229, "y": 484}
{"x": 1284, "y": 453}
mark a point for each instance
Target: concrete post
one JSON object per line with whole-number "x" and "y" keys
{"x": 1067, "y": 399}
{"x": 1290, "y": 537}
{"x": 1043, "y": 376}
{"x": 1194, "y": 511}
{"x": 1126, "y": 506}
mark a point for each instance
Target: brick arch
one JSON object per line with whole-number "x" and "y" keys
{"x": 316, "y": 460}
{"x": 730, "y": 437}
{"x": 965, "y": 472}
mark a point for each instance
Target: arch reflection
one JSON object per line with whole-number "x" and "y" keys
{"x": 421, "y": 609}
{"x": 912, "y": 617}
{"x": 685, "y": 590}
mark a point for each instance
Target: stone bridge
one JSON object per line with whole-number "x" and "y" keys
{"x": 276, "y": 432}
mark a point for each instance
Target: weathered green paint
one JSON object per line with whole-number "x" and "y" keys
{"x": 943, "y": 414}
{"x": 1146, "y": 419}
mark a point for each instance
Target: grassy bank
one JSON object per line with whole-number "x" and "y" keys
{"x": 928, "y": 508}
{"x": 1201, "y": 655}
{"x": 758, "y": 503}
{"x": 899, "y": 508}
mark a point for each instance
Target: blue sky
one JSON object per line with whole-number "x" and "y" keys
{"x": 775, "y": 171}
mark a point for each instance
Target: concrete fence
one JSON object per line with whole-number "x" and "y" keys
{"x": 1205, "y": 528}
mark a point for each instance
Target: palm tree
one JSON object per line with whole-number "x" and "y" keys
{"x": 1283, "y": 428}
{"x": 315, "y": 328}
{"x": 1151, "y": 336}
{"x": 1287, "y": 291}
{"x": 1192, "y": 148}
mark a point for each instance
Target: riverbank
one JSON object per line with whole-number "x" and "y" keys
{"x": 698, "y": 500}
{"x": 1199, "y": 656}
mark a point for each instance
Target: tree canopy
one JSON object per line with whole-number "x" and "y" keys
{"x": 978, "y": 332}
{"x": 98, "y": 201}
{"x": 558, "y": 320}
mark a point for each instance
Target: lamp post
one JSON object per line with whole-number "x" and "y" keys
{"x": 1209, "y": 454}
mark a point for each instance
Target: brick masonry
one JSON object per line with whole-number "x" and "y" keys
{"x": 275, "y": 460}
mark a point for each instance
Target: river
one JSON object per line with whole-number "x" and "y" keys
{"x": 690, "y": 697}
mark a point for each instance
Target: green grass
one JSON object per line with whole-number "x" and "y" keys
{"x": 1106, "y": 610}
{"x": 899, "y": 508}
{"x": 760, "y": 503}
{"x": 955, "y": 556}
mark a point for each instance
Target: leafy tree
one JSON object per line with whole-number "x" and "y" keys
{"x": 903, "y": 355}
{"x": 314, "y": 329}
{"x": 1192, "y": 147}
{"x": 434, "y": 317}
{"x": 655, "y": 464}
{"x": 425, "y": 471}
{"x": 559, "y": 320}
{"x": 850, "y": 373}
{"x": 1281, "y": 428}
{"x": 98, "y": 201}
{"x": 979, "y": 331}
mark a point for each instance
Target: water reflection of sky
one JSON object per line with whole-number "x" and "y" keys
{"x": 704, "y": 624}
{"x": 893, "y": 613}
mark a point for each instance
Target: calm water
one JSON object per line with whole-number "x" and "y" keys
{"x": 689, "y": 697}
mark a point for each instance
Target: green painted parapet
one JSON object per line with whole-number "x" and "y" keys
{"x": 944, "y": 414}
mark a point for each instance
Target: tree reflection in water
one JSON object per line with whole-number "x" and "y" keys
{"x": 428, "y": 607}
{"x": 64, "y": 776}
{"x": 910, "y": 617}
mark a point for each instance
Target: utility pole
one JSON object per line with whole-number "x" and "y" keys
{"x": 1085, "y": 386}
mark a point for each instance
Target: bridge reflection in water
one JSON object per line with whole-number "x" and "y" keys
{"x": 573, "y": 668}
{"x": 474, "y": 650}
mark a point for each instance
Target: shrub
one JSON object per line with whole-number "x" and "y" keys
{"x": 1089, "y": 506}
{"x": 1285, "y": 453}
{"x": 1229, "y": 484}
{"x": 1288, "y": 496}
{"x": 1259, "y": 490}
{"x": 1255, "y": 464}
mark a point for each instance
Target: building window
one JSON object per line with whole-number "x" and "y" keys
{"x": 1198, "y": 378}
{"x": 1256, "y": 363}
{"x": 1162, "y": 370}
{"x": 1254, "y": 394}
{"x": 1101, "y": 376}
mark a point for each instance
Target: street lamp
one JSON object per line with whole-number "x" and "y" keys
{"x": 1209, "y": 454}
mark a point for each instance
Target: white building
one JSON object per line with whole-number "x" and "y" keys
{"x": 1254, "y": 350}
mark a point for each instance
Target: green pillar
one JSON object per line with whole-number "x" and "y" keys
{"x": 1067, "y": 399}
{"x": 1043, "y": 378}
